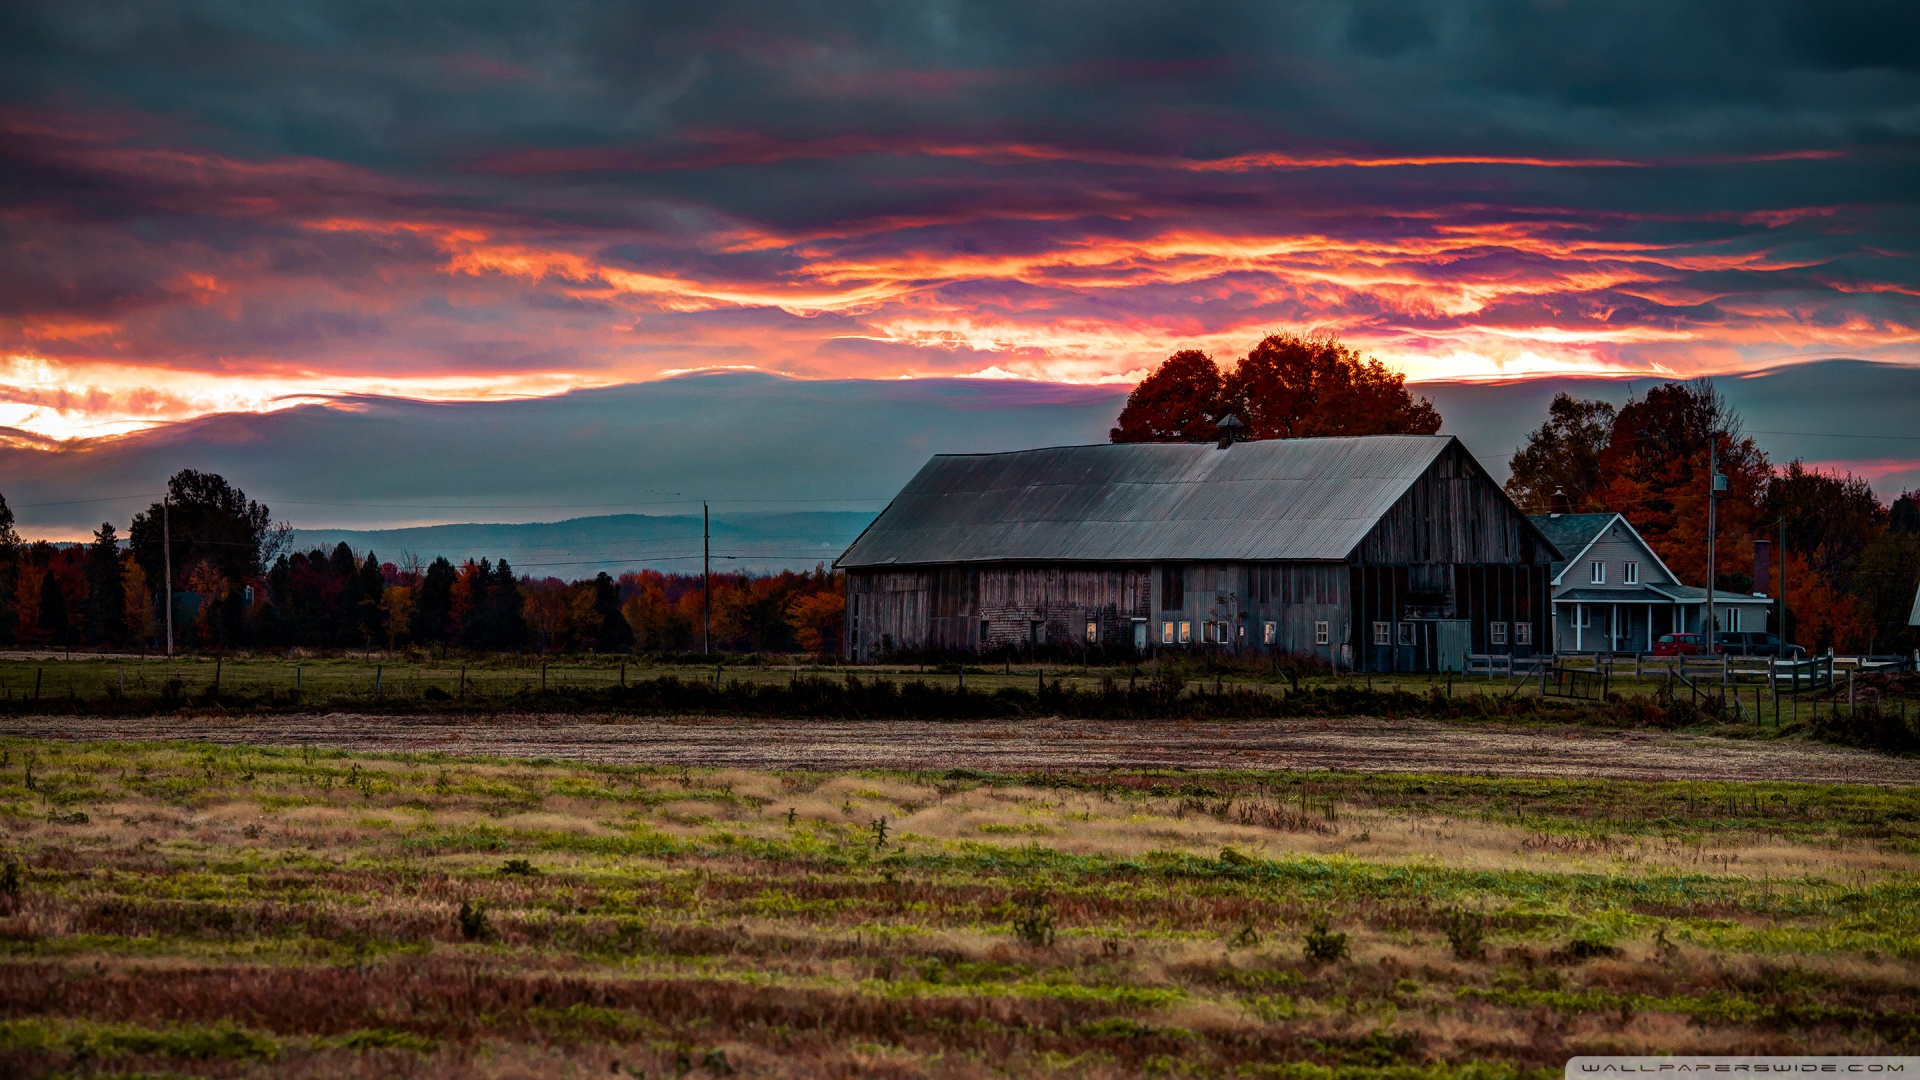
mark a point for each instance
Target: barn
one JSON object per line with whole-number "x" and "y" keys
{"x": 1392, "y": 553}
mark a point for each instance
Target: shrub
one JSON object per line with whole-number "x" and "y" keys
{"x": 1033, "y": 924}
{"x": 520, "y": 867}
{"x": 1467, "y": 933}
{"x": 472, "y": 919}
{"x": 1324, "y": 946}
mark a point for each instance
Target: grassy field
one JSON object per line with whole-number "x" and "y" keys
{"x": 189, "y": 909}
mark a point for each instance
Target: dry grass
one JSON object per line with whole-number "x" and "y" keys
{"x": 239, "y": 911}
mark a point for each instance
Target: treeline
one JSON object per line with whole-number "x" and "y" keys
{"x": 1852, "y": 561}
{"x": 237, "y": 585}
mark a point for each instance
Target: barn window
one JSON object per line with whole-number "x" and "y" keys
{"x": 1320, "y": 634}
{"x": 1186, "y": 632}
{"x": 1093, "y": 632}
{"x": 1522, "y": 633}
{"x": 1269, "y": 633}
{"x": 1406, "y": 633}
{"x": 1597, "y": 573}
{"x": 1166, "y": 633}
{"x": 1383, "y": 633}
{"x": 1173, "y": 587}
{"x": 983, "y": 631}
{"x": 1497, "y": 633}
{"x": 1630, "y": 573}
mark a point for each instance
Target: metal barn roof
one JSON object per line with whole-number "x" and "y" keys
{"x": 1140, "y": 502}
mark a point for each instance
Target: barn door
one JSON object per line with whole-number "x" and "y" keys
{"x": 1453, "y": 640}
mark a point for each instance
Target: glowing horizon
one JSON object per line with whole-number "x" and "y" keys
{"x": 535, "y": 210}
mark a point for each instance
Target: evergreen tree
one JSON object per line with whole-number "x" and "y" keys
{"x": 433, "y": 611}
{"x": 106, "y": 588}
{"x": 55, "y": 627}
{"x": 9, "y": 567}
{"x": 368, "y": 588}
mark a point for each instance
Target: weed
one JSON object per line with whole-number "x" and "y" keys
{"x": 1582, "y": 949}
{"x": 1323, "y": 946}
{"x": 879, "y": 829}
{"x": 1033, "y": 923}
{"x": 472, "y": 919}
{"x": 519, "y": 867}
{"x": 1467, "y": 934}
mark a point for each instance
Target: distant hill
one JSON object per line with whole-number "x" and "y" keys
{"x": 753, "y": 442}
{"x": 582, "y": 547}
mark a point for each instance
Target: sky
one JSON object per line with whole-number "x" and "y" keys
{"x": 210, "y": 206}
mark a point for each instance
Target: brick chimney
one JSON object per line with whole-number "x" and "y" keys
{"x": 1560, "y": 504}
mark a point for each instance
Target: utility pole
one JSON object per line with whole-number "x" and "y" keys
{"x": 1780, "y": 555}
{"x": 706, "y": 578}
{"x": 1713, "y": 492}
{"x": 166, "y": 544}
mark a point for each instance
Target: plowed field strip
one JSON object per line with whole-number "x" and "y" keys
{"x": 1363, "y": 745}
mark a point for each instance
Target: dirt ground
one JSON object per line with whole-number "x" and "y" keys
{"x": 1359, "y": 745}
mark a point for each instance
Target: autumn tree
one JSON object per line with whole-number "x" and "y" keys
{"x": 1178, "y": 402}
{"x": 1287, "y": 387}
{"x": 136, "y": 601}
{"x": 1654, "y": 470}
{"x": 1294, "y": 387}
{"x": 1563, "y": 455}
{"x": 819, "y": 621}
{"x": 396, "y": 612}
{"x": 1830, "y": 519}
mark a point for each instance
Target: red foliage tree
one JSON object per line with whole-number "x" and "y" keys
{"x": 1655, "y": 471}
{"x": 1293, "y": 387}
{"x": 1179, "y": 402}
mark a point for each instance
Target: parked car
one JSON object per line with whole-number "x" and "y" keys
{"x": 1678, "y": 645}
{"x": 1755, "y": 643}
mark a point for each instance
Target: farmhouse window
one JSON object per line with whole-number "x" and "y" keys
{"x": 1319, "y": 633}
{"x": 1269, "y": 633}
{"x": 1597, "y": 573}
{"x": 1523, "y": 633}
{"x": 1497, "y": 633}
{"x": 1383, "y": 633}
{"x": 1630, "y": 573}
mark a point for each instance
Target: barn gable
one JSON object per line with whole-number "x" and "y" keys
{"x": 1453, "y": 512}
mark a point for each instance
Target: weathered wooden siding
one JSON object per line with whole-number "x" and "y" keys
{"x": 982, "y": 608}
{"x": 1452, "y": 514}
